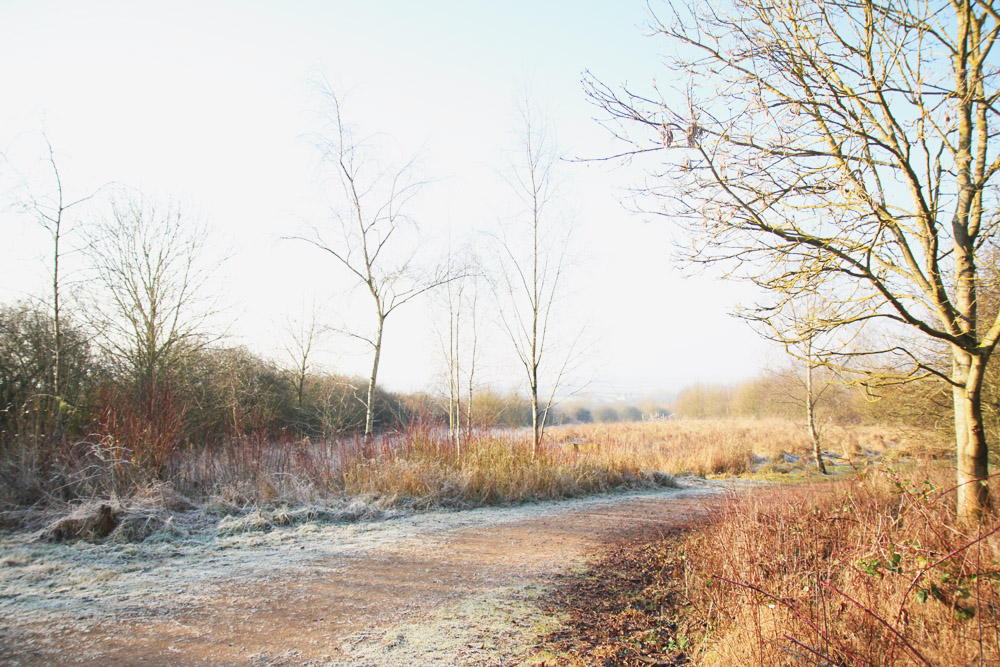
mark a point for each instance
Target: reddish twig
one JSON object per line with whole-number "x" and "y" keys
{"x": 799, "y": 615}
{"x": 899, "y": 613}
{"x": 880, "y": 620}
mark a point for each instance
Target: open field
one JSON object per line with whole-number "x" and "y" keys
{"x": 743, "y": 446}
{"x": 345, "y": 478}
{"x": 423, "y": 468}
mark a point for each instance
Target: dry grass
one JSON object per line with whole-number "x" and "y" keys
{"x": 876, "y": 571}
{"x": 741, "y": 446}
{"x": 490, "y": 469}
{"x": 421, "y": 468}
{"x": 417, "y": 469}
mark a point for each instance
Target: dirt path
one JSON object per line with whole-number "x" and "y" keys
{"x": 438, "y": 588}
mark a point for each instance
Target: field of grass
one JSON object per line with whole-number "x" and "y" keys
{"x": 420, "y": 468}
{"x": 423, "y": 468}
{"x": 743, "y": 446}
{"x": 874, "y": 570}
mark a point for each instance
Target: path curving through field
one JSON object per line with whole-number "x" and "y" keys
{"x": 434, "y": 588}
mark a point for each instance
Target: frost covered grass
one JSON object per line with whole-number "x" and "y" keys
{"x": 255, "y": 477}
{"x": 419, "y": 468}
{"x": 47, "y": 588}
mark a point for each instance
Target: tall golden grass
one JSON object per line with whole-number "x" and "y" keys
{"x": 876, "y": 571}
{"x": 737, "y": 446}
{"x": 489, "y": 468}
{"x": 422, "y": 467}
{"x": 870, "y": 571}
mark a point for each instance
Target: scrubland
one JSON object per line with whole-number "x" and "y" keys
{"x": 871, "y": 569}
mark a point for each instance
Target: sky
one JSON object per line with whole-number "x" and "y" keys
{"x": 212, "y": 105}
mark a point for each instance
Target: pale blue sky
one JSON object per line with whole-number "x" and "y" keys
{"x": 210, "y": 103}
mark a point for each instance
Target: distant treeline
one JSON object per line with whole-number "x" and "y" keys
{"x": 782, "y": 394}
{"x": 204, "y": 394}
{"x": 198, "y": 395}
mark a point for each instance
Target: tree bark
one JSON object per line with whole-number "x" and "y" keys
{"x": 536, "y": 425}
{"x": 57, "y": 324}
{"x": 370, "y": 402}
{"x": 811, "y": 418}
{"x": 973, "y": 500}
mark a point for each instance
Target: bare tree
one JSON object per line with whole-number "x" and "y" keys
{"x": 148, "y": 260}
{"x": 844, "y": 148}
{"x": 303, "y": 334}
{"x": 51, "y": 210}
{"x": 460, "y": 343}
{"x": 370, "y": 226}
{"x": 797, "y": 327}
{"x": 812, "y": 395}
{"x": 151, "y": 318}
{"x": 533, "y": 255}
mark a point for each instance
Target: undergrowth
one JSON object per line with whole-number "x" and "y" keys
{"x": 418, "y": 469}
{"x": 875, "y": 571}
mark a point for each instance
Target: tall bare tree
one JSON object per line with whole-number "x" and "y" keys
{"x": 370, "y": 226}
{"x": 460, "y": 343}
{"x": 533, "y": 260}
{"x": 303, "y": 334}
{"x": 51, "y": 208}
{"x": 846, "y": 148}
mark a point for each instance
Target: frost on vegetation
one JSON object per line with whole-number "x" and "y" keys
{"x": 662, "y": 479}
{"x": 264, "y": 519}
{"x": 497, "y": 627}
{"x": 150, "y": 512}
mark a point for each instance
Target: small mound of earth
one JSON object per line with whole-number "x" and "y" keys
{"x": 148, "y": 512}
{"x": 90, "y": 522}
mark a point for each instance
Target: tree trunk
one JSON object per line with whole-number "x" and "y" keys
{"x": 970, "y": 438}
{"x": 370, "y": 402}
{"x": 57, "y": 380}
{"x": 536, "y": 425}
{"x": 468, "y": 402}
{"x": 811, "y": 417}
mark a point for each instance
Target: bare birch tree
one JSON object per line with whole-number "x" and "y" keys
{"x": 460, "y": 344}
{"x": 370, "y": 226}
{"x": 52, "y": 211}
{"x": 845, "y": 148}
{"x": 533, "y": 254}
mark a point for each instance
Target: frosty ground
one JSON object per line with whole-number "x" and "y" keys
{"x": 293, "y": 587}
